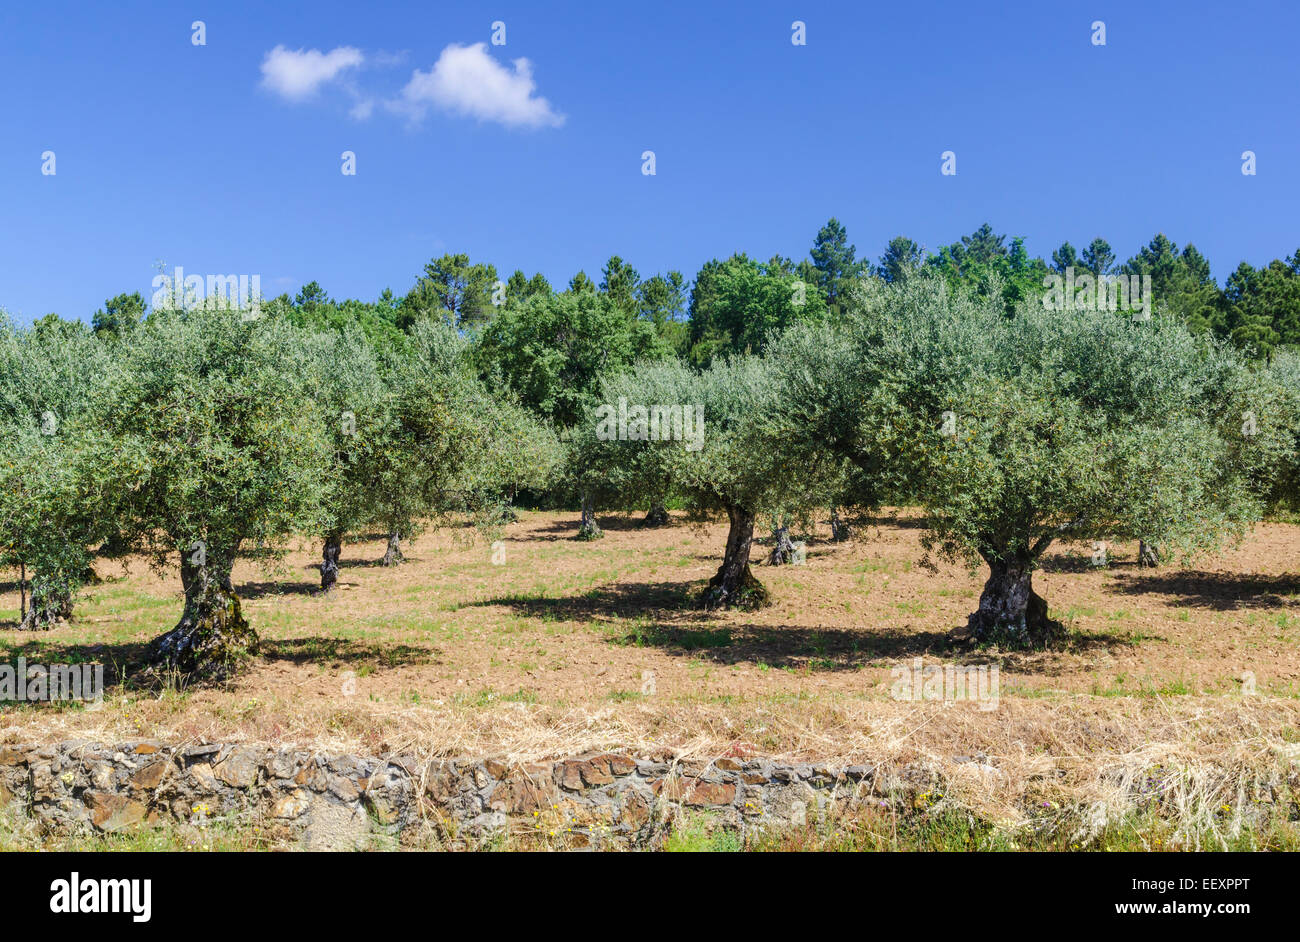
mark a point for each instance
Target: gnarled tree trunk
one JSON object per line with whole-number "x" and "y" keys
{"x": 1148, "y": 555}
{"x": 1010, "y": 610}
{"x": 330, "y": 554}
{"x": 657, "y": 516}
{"x": 734, "y": 585}
{"x": 213, "y": 638}
{"x": 51, "y": 603}
{"x": 393, "y": 554}
{"x": 839, "y": 529}
{"x": 783, "y": 552}
{"x": 588, "y": 529}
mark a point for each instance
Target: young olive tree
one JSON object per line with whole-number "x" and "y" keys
{"x": 525, "y": 454}
{"x": 40, "y": 525}
{"x": 1279, "y": 389}
{"x": 212, "y": 442}
{"x": 600, "y": 473}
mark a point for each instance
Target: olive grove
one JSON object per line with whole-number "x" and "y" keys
{"x": 195, "y": 434}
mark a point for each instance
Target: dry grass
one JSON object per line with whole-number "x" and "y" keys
{"x": 572, "y": 646}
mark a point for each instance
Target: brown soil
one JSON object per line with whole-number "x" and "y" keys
{"x": 568, "y": 644}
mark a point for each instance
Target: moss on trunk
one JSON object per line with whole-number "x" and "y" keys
{"x": 213, "y": 640}
{"x": 1010, "y": 611}
{"x": 588, "y": 528}
{"x": 734, "y": 585}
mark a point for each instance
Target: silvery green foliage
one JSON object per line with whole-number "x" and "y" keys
{"x": 624, "y": 472}
{"x": 525, "y": 454}
{"x": 41, "y": 528}
{"x": 1013, "y": 432}
{"x": 745, "y": 460}
{"x": 1280, "y": 388}
{"x": 348, "y": 386}
{"x": 1083, "y": 425}
{"x": 48, "y": 513}
{"x": 739, "y": 461}
{"x": 209, "y": 435}
{"x": 443, "y": 442}
{"x": 741, "y": 456}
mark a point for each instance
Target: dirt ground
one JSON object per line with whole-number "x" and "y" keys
{"x": 542, "y": 645}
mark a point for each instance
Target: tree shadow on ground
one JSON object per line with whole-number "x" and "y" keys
{"x": 665, "y": 617}
{"x": 1221, "y": 591}
{"x": 316, "y": 650}
{"x": 356, "y": 563}
{"x": 120, "y": 660}
{"x": 1074, "y": 563}
{"x": 615, "y": 523}
{"x": 124, "y": 663}
{"x": 259, "y": 590}
{"x": 894, "y": 523}
{"x": 827, "y": 650}
{"x": 375, "y": 563}
{"x": 618, "y": 600}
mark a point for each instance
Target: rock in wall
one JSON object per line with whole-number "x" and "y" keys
{"x": 332, "y": 802}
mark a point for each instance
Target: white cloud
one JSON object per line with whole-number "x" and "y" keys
{"x": 466, "y": 80}
{"x": 299, "y": 75}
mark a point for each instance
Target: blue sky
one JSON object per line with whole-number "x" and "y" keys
{"x": 169, "y": 151}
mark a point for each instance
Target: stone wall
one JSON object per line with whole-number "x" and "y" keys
{"x": 599, "y": 800}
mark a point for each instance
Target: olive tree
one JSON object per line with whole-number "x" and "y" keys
{"x": 350, "y": 391}
{"x": 525, "y": 453}
{"x": 1280, "y": 413}
{"x": 1014, "y": 433}
{"x": 211, "y": 442}
{"x": 444, "y": 443}
{"x": 709, "y": 438}
{"x": 48, "y": 510}
{"x": 40, "y": 528}
{"x": 600, "y": 474}
{"x": 551, "y": 351}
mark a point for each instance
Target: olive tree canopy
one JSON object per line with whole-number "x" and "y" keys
{"x": 212, "y": 442}
{"x": 49, "y": 513}
{"x": 711, "y": 439}
{"x": 1013, "y": 433}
